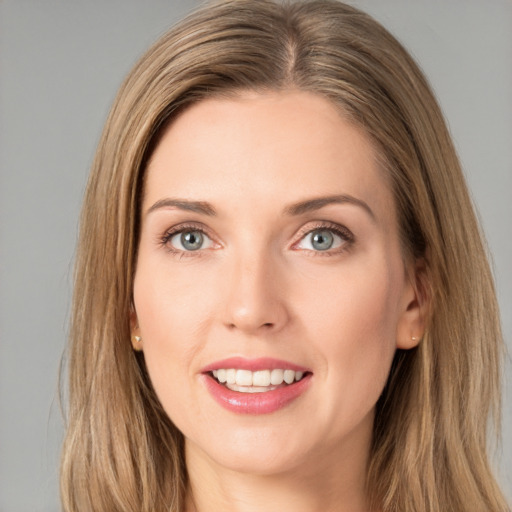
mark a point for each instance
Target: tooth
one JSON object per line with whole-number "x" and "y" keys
{"x": 258, "y": 379}
{"x": 261, "y": 378}
{"x": 248, "y": 389}
{"x": 289, "y": 376}
{"x": 276, "y": 377}
{"x": 231, "y": 376}
{"x": 243, "y": 378}
{"x": 255, "y": 389}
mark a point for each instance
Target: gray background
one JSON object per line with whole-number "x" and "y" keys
{"x": 61, "y": 63}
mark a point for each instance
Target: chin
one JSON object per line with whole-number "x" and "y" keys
{"x": 254, "y": 451}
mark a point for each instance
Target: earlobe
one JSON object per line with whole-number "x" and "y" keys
{"x": 136, "y": 342}
{"x": 407, "y": 344}
{"x": 136, "y": 338}
{"x": 411, "y": 326}
{"x": 412, "y": 323}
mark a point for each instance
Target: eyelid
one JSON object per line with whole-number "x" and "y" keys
{"x": 187, "y": 226}
{"x": 343, "y": 232}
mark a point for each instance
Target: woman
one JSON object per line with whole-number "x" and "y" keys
{"x": 272, "y": 307}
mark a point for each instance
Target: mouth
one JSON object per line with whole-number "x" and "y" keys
{"x": 258, "y": 386}
{"x": 260, "y": 381}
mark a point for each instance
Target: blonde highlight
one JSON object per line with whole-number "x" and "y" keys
{"x": 429, "y": 449}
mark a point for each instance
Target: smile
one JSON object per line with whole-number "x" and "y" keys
{"x": 259, "y": 386}
{"x": 261, "y": 381}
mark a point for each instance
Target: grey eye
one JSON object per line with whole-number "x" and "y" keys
{"x": 192, "y": 240}
{"x": 321, "y": 239}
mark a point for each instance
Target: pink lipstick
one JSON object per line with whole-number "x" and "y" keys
{"x": 255, "y": 386}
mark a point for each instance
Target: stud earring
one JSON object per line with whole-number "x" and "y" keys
{"x": 136, "y": 342}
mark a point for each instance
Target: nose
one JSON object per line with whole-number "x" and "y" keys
{"x": 255, "y": 296}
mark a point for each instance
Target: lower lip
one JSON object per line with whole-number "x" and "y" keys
{"x": 256, "y": 403}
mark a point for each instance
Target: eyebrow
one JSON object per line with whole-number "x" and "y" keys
{"x": 310, "y": 205}
{"x": 184, "y": 204}
{"x": 300, "y": 208}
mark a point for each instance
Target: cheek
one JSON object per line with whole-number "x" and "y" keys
{"x": 366, "y": 324}
{"x": 172, "y": 307}
{"x": 355, "y": 307}
{"x": 176, "y": 310}
{"x": 170, "y": 319}
{"x": 356, "y": 336}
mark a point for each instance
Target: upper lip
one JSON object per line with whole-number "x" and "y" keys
{"x": 261, "y": 363}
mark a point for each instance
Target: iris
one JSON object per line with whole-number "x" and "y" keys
{"x": 322, "y": 240}
{"x": 191, "y": 240}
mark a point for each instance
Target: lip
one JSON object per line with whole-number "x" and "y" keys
{"x": 261, "y": 363}
{"x": 255, "y": 403}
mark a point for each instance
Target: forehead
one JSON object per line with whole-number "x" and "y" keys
{"x": 279, "y": 146}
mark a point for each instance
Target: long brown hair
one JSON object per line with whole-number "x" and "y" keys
{"x": 429, "y": 452}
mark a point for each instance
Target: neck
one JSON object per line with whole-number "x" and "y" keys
{"x": 332, "y": 481}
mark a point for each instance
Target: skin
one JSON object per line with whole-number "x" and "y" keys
{"x": 259, "y": 288}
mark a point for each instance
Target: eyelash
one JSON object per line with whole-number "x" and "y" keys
{"x": 341, "y": 231}
{"x": 344, "y": 233}
{"x": 176, "y": 230}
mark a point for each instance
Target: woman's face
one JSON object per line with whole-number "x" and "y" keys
{"x": 269, "y": 250}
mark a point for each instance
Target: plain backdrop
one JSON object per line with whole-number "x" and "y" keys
{"x": 61, "y": 63}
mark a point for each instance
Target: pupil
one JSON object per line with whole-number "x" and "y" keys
{"x": 322, "y": 240}
{"x": 192, "y": 240}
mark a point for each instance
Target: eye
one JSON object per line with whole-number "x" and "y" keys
{"x": 189, "y": 240}
{"x": 323, "y": 239}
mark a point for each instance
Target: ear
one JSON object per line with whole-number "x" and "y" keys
{"x": 135, "y": 336}
{"x": 415, "y": 307}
